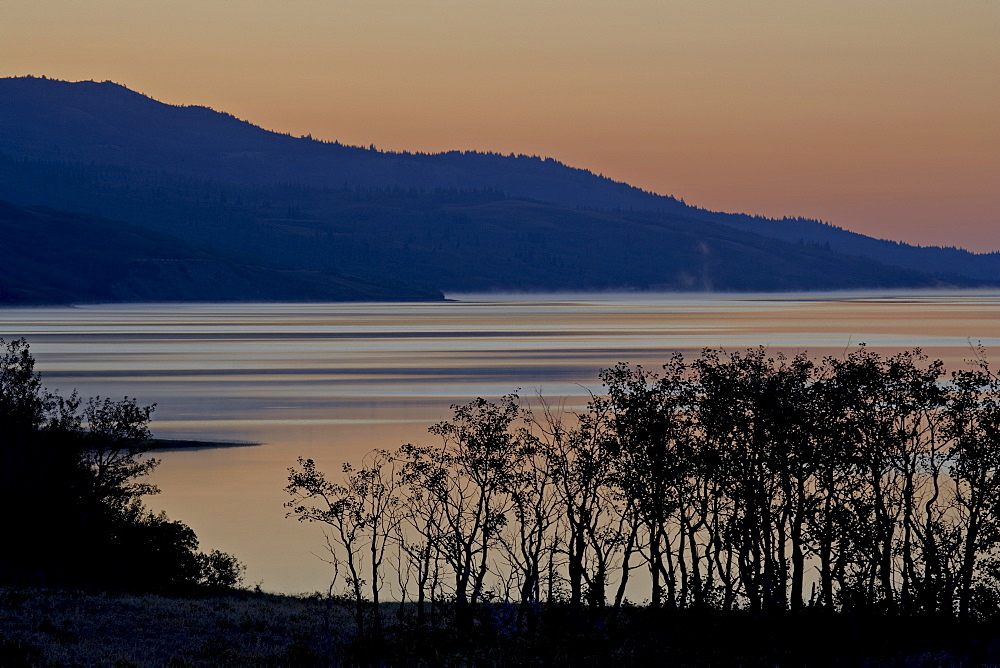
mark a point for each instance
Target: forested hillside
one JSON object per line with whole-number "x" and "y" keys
{"x": 447, "y": 239}
{"x": 214, "y": 208}
{"x": 107, "y": 125}
{"x": 53, "y": 256}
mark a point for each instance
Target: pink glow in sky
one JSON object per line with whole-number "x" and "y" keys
{"x": 881, "y": 116}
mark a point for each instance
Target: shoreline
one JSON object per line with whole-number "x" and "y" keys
{"x": 166, "y": 444}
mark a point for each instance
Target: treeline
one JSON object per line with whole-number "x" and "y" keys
{"x": 732, "y": 482}
{"x": 71, "y": 486}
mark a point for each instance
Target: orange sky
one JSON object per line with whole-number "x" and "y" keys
{"x": 882, "y": 116}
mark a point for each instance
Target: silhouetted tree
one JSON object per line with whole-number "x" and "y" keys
{"x": 975, "y": 426}
{"x": 72, "y": 487}
{"x": 479, "y": 453}
{"x": 743, "y": 480}
{"x": 362, "y": 517}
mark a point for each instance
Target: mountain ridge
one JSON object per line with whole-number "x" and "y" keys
{"x": 239, "y": 150}
{"x": 225, "y": 185}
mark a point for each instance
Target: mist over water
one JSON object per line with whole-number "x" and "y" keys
{"x": 332, "y": 381}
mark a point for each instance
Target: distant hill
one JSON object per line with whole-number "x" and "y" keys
{"x": 52, "y": 256}
{"x": 451, "y": 221}
{"x": 106, "y": 123}
{"x": 932, "y": 259}
{"x": 450, "y": 240}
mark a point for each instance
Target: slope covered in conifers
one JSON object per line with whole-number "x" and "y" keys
{"x": 452, "y": 221}
{"x": 53, "y": 256}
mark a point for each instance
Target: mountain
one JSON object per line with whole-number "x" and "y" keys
{"x": 932, "y": 259}
{"x": 452, "y": 221}
{"x": 55, "y": 256}
{"x": 106, "y": 123}
{"x": 449, "y": 240}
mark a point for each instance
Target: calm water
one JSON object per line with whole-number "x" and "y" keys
{"x": 331, "y": 381}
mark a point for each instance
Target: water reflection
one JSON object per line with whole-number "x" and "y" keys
{"x": 331, "y": 381}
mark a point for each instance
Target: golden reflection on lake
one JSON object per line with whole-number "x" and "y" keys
{"x": 332, "y": 381}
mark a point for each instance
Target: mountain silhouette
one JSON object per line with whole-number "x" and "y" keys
{"x": 451, "y": 221}
{"x": 107, "y": 123}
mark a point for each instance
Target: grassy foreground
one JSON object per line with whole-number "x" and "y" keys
{"x": 45, "y": 627}
{"x": 41, "y": 627}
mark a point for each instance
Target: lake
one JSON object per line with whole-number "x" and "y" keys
{"x": 332, "y": 381}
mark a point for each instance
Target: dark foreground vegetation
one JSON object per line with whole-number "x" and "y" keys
{"x": 737, "y": 496}
{"x": 44, "y": 627}
{"x": 73, "y": 628}
{"x": 736, "y": 509}
{"x": 72, "y": 492}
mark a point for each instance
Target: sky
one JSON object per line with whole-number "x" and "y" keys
{"x": 881, "y": 116}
